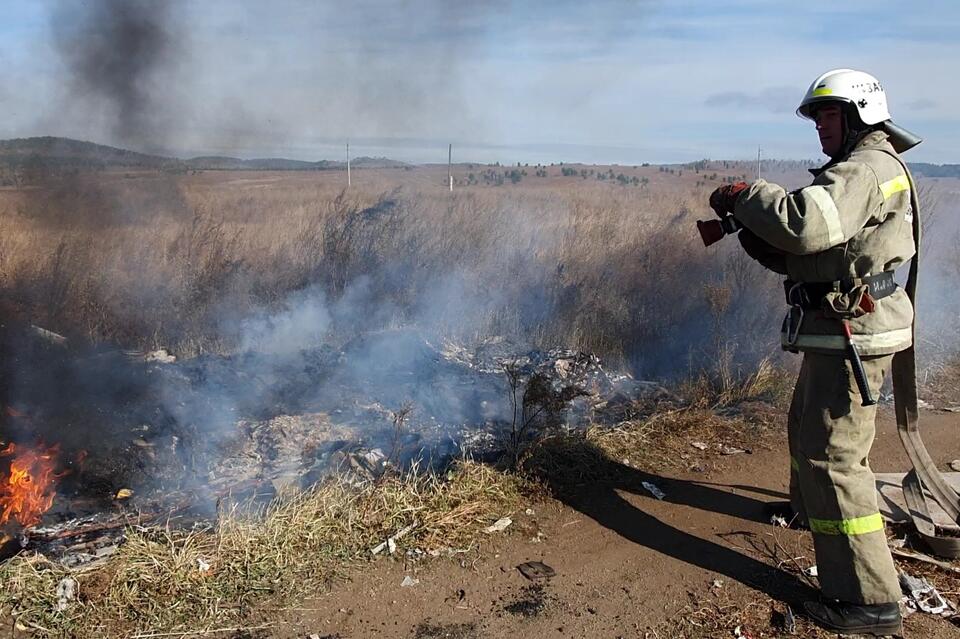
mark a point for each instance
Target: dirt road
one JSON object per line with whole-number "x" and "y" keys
{"x": 698, "y": 563}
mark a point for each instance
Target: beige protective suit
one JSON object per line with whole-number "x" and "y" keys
{"x": 854, "y": 221}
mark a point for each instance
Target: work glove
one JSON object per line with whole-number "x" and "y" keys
{"x": 723, "y": 198}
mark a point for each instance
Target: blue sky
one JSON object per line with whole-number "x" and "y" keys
{"x": 600, "y": 81}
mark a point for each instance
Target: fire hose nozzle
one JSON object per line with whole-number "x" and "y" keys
{"x": 712, "y": 231}
{"x": 856, "y": 364}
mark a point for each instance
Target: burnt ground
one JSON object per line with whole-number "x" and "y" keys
{"x": 700, "y": 563}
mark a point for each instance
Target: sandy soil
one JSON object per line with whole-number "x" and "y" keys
{"x": 627, "y": 565}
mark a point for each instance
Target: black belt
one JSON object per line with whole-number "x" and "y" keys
{"x": 809, "y": 295}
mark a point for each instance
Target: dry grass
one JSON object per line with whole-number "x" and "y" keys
{"x": 178, "y": 261}
{"x": 258, "y": 559}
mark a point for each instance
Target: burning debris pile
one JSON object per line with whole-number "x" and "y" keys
{"x": 166, "y": 435}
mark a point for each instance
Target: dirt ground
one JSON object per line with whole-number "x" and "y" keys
{"x": 700, "y": 563}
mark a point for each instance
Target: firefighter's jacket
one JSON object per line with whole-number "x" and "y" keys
{"x": 855, "y": 220}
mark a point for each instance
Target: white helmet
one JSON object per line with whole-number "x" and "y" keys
{"x": 860, "y": 89}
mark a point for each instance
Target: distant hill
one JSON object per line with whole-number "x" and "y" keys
{"x": 65, "y": 153}
{"x": 923, "y": 169}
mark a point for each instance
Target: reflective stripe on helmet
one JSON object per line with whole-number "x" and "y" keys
{"x": 896, "y": 185}
{"x": 823, "y": 91}
{"x": 886, "y": 340}
{"x": 829, "y": 212}
{"x": 855, "y": 526}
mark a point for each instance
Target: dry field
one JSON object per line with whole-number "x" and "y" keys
{"x": 150, "y": 260}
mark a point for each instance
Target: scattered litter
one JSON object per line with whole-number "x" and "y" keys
{"x": 740, "y": 631}
{"x": 409, "y": 581}
{"x": 391, "y": 542}
{"x": 924, "y": 404}
{"x": 955, "y": 465}
{"x": 811, "y": 571}
{"x": 717, "y": 583}
{"x": 124, "y": 493}
{"x": 161, "y": 356}
{"x": 923, "y": 596}
{"x": 48, "y": 336}
{"x": 789, "y": 621}
{"x": 733, "y": 450}
{"x": 952, "y": 409}
{"x": 498, "y": 526}
{"x": 202, "y": 565}
{"x": 66, "y": 593}
{"x": 779, "y": 521}
{"x": 699, "y": 445}
{"x": 529, "y": 512}
{"x": 919, "y": 556}
{"x": 534, "y": 570}
{"x": 653, "y": 490}
{"x": 625, "y": 461}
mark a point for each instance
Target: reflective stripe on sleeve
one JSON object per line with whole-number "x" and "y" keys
{"x": 855, "y": 526}
{"x": 896, "y": 185}
{"x": 794, "y": 464}
{"x": 828, "y": 209}
{"x": 889, "y": 339}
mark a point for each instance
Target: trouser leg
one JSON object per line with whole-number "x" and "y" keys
{"x": 833, "y": 439}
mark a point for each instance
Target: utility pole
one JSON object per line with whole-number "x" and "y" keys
{"x": 348, "y": 165}
{"x": 450, "y": 167}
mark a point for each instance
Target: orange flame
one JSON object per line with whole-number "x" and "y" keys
{"x": 27, "y": 492}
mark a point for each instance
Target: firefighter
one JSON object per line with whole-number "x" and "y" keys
{"x": 838, "y": 242}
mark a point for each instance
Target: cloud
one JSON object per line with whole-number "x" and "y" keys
{"x": 923, "y": 104}
{"x": 771, "y": 99}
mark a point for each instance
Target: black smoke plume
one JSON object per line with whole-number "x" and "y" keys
{"x": 116, "y": 53}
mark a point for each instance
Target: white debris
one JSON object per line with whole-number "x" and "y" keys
{"x": 653, "y": 490}
{"x": 789, "y": 621}
{"x": 924, "y": 404}
{"x": 498, "y": 526}
{"x": 391, "y": 542}
{"x": 161, "y": 356}
{"x": 529, "y": 512}
{"x": 952, "y": 409}
{"x": 699, "y": 445}
{"x": 202, "y": 565}
{"x": 811, "y": 571}
{"x": 409, "y": 581}
{"x": 66, "y": 593}
{"x": 717, "y": 583}
{"x": 955, "y": 465}
{"x": 923, "y": 596}
{"x": 732, "y": 450}
{"x": 779, "y": 521}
